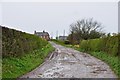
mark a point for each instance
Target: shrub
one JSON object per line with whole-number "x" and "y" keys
{"x": 66, "y": 42}
{"x": 108, "y": 45}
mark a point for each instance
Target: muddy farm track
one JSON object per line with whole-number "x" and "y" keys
{"x": 68, "y": 63}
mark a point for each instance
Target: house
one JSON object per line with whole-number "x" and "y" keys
{"x": 63, "y": 38}
{"x": 43, "y": 34}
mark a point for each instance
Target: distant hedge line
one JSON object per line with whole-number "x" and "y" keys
{"x": 110, "y": 45}
{"x": 16, "y": 43}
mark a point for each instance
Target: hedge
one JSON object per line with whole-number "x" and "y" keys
{"x": 109, "y": 45}
{"x": 16, "y": 43}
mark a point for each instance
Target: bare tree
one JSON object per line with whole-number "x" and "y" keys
{"x": 86, "y": 29}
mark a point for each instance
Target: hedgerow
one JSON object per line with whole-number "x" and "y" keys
{"x": 16, "y": 43}
{"x": 108, "y": 45}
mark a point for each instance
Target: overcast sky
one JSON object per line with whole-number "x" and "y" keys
{"x": 52, "y": 16}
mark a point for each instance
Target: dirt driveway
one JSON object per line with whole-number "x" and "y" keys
{"x": 68, "y": 63}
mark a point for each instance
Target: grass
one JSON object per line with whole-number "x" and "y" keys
{"x": 58, "y": 42}
{"x": 13, "y": 67}
{"x": 112, "y": 61}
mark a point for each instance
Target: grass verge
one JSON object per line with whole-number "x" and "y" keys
{"x": 58, "y": 42}
{"x": 13, "y": 67}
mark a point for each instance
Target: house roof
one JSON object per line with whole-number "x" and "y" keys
{"x": 42, "y": 33}
{"x": 62, "y": 36}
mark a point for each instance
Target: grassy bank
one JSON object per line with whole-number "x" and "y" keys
{"x": 58, "y": 42}
{"x": 14, "y": 67}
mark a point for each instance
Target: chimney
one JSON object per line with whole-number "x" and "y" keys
{"x": 43, "y": 31}
{"x": 34, "y": 32}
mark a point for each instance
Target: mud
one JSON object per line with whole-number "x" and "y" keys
{"x": 68, "y": 63}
